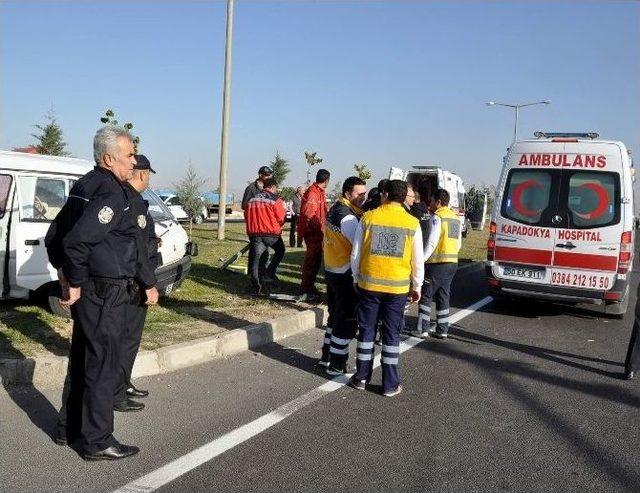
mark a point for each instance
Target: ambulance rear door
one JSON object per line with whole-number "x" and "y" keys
{"x": 588, "y": 245}
{"x": 526, "y": 223}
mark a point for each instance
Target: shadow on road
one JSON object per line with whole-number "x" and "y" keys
{"x": 501, "y": 370}
{"x": 28, "y": 398}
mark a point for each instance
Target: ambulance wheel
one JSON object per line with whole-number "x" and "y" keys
{"x": 53, "y": 301}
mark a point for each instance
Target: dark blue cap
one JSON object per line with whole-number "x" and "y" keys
{"x": 142, "y": 163}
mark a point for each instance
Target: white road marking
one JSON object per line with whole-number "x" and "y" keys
{"x": 213, "y": 449}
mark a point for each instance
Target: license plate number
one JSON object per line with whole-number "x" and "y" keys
{"x": 523, "y": 272}
{"x": 577, "y": 279}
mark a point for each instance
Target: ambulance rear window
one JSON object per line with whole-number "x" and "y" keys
{"x": 593, "y": 199}
{"x": 527, "y": 196}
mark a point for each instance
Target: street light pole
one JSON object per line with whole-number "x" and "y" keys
{"x": 226, "y": 107}
{"x": 517, "y": 107}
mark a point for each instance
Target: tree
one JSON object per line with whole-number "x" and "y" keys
{"x": 287, "y": 193}
{"x": 109, "y": 118}
{"x": 362, "y": 171}
{"x": 280, "y": 168}
{"x": 312, "y": 159}
{"x": 50, "y": 141}
{"x": 188, "y": 192}
{"x": 336, "y": 192}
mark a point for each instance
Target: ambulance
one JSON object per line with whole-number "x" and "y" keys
{"x": 438, "y": 178}
{"x": 33, "y": 189}
{"x": 562, "y": 227}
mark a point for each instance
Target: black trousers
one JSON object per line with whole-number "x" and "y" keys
{"x": 632, "y": 361}
{"x": 259, "y": 255}
{"x": 135, "y": 313}
{"x": 342, "y": 300}
{"x": 99, "y": 319}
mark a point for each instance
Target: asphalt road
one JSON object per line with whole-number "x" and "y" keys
{"x": 522, "y": 397}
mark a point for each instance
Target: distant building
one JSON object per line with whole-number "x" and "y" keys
{"x": 27, "y": 150}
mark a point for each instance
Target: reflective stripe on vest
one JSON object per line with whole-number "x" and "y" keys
{"x": 386, "y": 250}
{"x": 449, "y": 243}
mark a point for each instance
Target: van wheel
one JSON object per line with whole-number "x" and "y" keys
{"x": 198, "y": 219}
{"x": 53, "y": 301}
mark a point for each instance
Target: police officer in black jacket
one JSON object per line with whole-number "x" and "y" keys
{"x": 144, "y": 292}
{"x": 92, "y": 242}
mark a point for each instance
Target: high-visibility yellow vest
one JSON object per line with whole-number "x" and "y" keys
{"x": 386, "y": 249}
{"x": 449, "y": 242}
{"x": 336, "y": 247}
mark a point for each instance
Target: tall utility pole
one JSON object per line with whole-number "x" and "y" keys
{"x": 517, "y": 107}
{"x": 226, "y": 107}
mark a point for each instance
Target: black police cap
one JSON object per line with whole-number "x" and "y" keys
{"x": 143, "y": 163}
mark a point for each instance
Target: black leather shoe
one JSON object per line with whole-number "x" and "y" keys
{"x": 114, "y": 452}
{"x": 133, "y": 392}
{"x": 128, "y": 406}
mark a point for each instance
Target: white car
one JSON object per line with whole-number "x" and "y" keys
{"x": 175, "y": 206}
{"x": 33, "y": 189}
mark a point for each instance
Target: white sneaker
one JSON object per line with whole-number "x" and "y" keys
{"x": 417, "y": 333}
{"x": 394, "y": 392}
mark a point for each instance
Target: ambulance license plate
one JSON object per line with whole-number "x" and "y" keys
{"x": 523, "y": 272}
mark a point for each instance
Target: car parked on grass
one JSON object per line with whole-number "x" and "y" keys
{"x": 33, "y": 189}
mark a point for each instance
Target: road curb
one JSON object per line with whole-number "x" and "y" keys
{"x": 50, "y": 371}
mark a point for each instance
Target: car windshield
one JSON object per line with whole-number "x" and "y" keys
{"x": 157, "y": 209}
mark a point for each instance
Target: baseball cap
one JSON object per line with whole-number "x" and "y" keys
{"x": 265, "y": 170}
{"x": 142, "y": 163}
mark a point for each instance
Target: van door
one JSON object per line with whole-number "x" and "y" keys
{"x": 587, "y": 248}
{"x": 6, "y": 182}
{"x": 40, "y": 198}
{"x": 397, "y": 174}
{"x": 525, "y": 225}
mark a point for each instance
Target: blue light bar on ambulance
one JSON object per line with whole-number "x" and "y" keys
{"x": 566, "y": 135}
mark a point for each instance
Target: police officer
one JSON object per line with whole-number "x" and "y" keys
{"x": 387, "y": 264}
{"x": 441, "y": 254}
{"x": 143, "y": 291}
{"x": 92, "y": 243}
{"x": 339, "y": 231}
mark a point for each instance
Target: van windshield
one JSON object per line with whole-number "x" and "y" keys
{"x": 157, "y": 209}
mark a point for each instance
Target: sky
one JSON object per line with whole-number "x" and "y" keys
{"x": 385, "y": 83}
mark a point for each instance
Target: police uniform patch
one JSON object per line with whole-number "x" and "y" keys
{"x": 142, "y": 221}
{"x": 105, "y": 215}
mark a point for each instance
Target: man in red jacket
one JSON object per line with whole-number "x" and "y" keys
{"x": 265, "y": 214}
{"x": 313, "y": 213}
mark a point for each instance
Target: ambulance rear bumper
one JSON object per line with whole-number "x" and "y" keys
{"x": 560, "y": 294}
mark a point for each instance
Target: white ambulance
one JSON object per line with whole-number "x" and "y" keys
{"x": 563, "y": 222}
{"x": 438, "y": 178}
{"x": 33, "y": 189}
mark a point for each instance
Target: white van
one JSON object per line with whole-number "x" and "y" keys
{"x": 563, "y": 222}
{"x": 439, "y": 178}
{"x": 33, "y": 189}
{"x": 174, "y": 205}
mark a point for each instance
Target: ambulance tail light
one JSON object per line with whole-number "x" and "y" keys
{"x": 626, "y": 252}
{"x": 491, "y": 242}
{"x": 613, "y": 296}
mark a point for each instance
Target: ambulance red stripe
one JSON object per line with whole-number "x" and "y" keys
{"x": 523, "y": 255}
{"x": 585, "y": 261}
